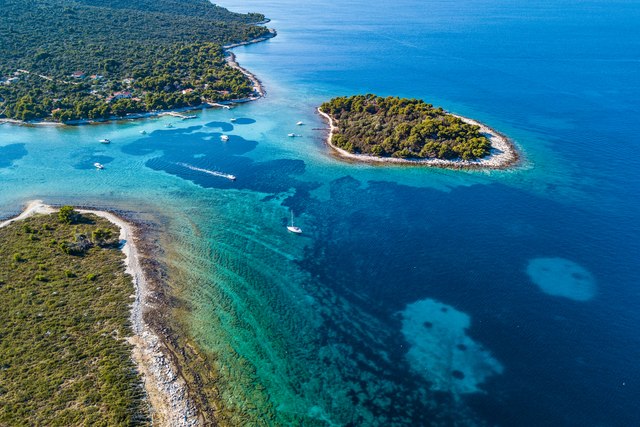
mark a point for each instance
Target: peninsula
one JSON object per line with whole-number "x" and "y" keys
{"x": 76, "y": 347}
{"x": 374, "y": 129}
{"x": 72, "y": 61}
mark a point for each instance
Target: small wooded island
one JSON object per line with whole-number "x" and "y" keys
{"x": 71, "y": 60}
{"x": 371, "y": 128}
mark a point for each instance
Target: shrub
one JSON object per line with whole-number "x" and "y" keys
{"x": 101, "y": 236}
{"x": 377, "y": 150}
{"x": 68, "y": 215}
{"x": 82, "y": 243}
{"x": 64, "y": 247}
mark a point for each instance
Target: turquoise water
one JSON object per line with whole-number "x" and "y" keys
{"x": 414, "y": 296}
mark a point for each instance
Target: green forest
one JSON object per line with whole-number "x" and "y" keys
{"x": 403, "y": 128}
{"x": 65, "y": 60}
{"x": 64, "y": 360}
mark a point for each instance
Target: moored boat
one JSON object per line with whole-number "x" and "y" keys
{"x": 292, "y": 228}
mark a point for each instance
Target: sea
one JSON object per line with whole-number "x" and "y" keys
{"x": 414, "y": 296}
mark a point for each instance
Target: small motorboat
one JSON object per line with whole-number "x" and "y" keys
{"x": 168, "y": 125}
{"x": 291, "y": 135}
{"x": 224, "y": 138}
{"x": 143, "y": 132}
{"x": 299, "y": 123}
{"x": 233, "y": 120}
{"x": 98, "y": 165}
{"x": 105, "y": 141}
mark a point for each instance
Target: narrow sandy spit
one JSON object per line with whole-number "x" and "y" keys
{"x": 503, "y": 154}
{"x": 34, "y": 207}
{"x": 166, "y": 390}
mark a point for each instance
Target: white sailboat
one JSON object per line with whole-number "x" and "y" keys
{"x": 105, "y": 141}
{"x": 292, "y": 228}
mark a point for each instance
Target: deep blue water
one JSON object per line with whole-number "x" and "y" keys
{"x": 327, "y": 320}
{"x": 561, "y": 78}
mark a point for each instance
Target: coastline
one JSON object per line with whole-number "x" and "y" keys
{"x": 503, "y": 154}
{"x": 166, "y": 390}
{"x": 230, "y": 58}
{"x": 231, "y": 61}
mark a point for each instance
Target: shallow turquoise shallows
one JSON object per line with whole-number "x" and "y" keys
{"x": 414, "y": 296}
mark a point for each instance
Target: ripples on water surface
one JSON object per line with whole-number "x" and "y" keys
{"x": 414, "y": 296}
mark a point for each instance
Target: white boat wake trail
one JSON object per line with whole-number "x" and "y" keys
{"x": 214, "y": 173}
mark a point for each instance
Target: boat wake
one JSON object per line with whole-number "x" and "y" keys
{"x": 214, "y": 173}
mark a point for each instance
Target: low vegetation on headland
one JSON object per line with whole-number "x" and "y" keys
{"x": 402, "y": 128}
{"x": 64, "y": 60}
{"x": 65, "y": 299}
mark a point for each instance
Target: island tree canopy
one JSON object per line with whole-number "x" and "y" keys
{"x": 72, "y": 59}
{"x": 404, "y": 128}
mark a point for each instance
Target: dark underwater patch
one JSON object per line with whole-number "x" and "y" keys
{"x": 10, "y": 153}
